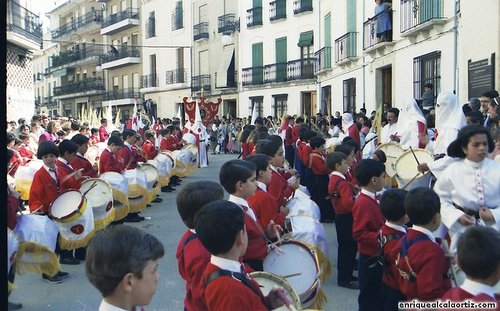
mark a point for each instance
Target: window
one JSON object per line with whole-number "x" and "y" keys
{"x": 349, "y": 89}
{"x": 177, "y": 19}
{"x": 280, "y": 104}
{"x": 257, "y": 102}
{"x": 281, "y": 59}
{"x": 150, "y": 26}
{"x": 257, "y": 63}
{"x": 427, "y": 69}
{"x": 306, "y": 55}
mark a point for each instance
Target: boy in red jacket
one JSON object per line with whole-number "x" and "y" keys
{"x": 79, "y": 161}
{"x": 108, "y": 161}
{"x": 319, "y": 189}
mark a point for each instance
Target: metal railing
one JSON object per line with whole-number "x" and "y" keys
{"x": 150, "y": 28}
{"x": 252, "y": 75}
{"x": 200, "y": 31}
{"x": 300, "y": 6}
{"x": 176, "y": 76}
{"x": 377, "y": 29}
{"x": 47, "y": 100}
{"x": 276, "y": 72}
{"x": 299, "y": 69}
{"x": 226, "y": 23}
{"x": 24, "y": 22}
{"x": 123, "y": 94}
{"x": 150, "y": 80}
{"x": 131, "y": 13}
{"x": 90, "y": 17}
{"x": 232, "y": 80}
{"x": 202, "y": 81}
{"x": 254, "y": 16}
{"x": 119, "y": 53}
{"x": 79, "y": 52}
{"x": 177, "y": 18}
{"x": 323, "y": 58}
{"x": 277, "y": 10}
{"x": 417, "y": 12}
{"x": 88, "y": 84}
{"x": 345, "y": 47}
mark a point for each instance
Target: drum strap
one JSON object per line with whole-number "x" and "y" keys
{"x": 405, "y": 246}
{"x": 240, "y": 277}
{"x": 382, "y": 239}
{"x": 189, "y": 239}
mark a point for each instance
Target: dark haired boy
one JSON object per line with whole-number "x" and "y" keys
{"x": 421, "y": 262}
{"x": 319, "y": 187}
{"x": 192, "y": 257}
{"x": 149, "y": 146}
{"x": 126, "y": 155}
{"x": 220, "y": 226}
{"x": 103, "y": 133}
{"x": 393, "y": 209}
{"x": 70, "y": 178}
{"x": 79, "y": 161}
{"x": 367, "y": 221}
{"x": 108, "y": 161}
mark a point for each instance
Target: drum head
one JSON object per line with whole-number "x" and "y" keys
{"x": 100, "y": 194}
{"x": 66, "y": 204}
{"x": 406, "y": 165}
{"x": 150, "y": 171}
{"x": 92, "y": 154}
{"x": 267, "y": 281}
{"x": 392, "y": 152}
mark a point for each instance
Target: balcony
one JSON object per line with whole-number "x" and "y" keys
{"x": 119, "y": 21}
{"x": 23, "y": 27}
{"x": 85, "y": 87}
{"x": 254, "y": 17}
{"x": 129, "y": 93}
{"x": 200, "y": 31}
{"x": 47, "y": 100}
{"x": 92, "y": 17}
{"x": 201, "y": 82}
{"x": 300, "y": 69}
{"x": 150, "y": 80}
{"x": 345, "y": 48}
{"x": 177, "y": 18}
{"x": 323, "y": 59}
{"x": 227, "y": 23}
{"x": 122, "y": 56}
{"x": 417, "y": 16}
{"x": 277, "y": 10}
{"x": 79, "y": 55}
{"x": 301, "y": 6}
{"x": 231, "y": 80}
{"x": 176, "y": 76}
{"x": 377, "y": 32}
{"x": 150, "y": 28}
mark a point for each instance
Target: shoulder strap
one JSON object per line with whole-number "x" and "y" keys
{"x": 188, "y": 239}
{"x": 407, "y": 244}
{"x": 403, "y": 253}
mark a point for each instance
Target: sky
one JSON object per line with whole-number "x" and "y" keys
{"x": 40, "y": 7}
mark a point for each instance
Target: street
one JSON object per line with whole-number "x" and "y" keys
{"x": 76, "y": 293}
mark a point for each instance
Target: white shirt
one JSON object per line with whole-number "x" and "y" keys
{"x": 262, "y": 186}
{"x": 65, "y": 162}
{"x": 395, "y": 227}
{"x": 243, "y": 202}
{"x": 51, "y": 173}
{"x": 106, "y": 306}
{"x": 476, "y": 288}
{"x": 428, "y": 233}
{"x": 337, "y": 173}
{"x": 226, "y": 264}
{"x": 387, "y": 131}
{"x": 370, "y": 194}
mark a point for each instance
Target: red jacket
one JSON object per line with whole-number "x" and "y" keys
{"x": 428, "y": 261}
{"x": 26, "y": 152}
{"x": 306, "y": 151}
{"x": 390, "y": 277}
{"x": 266, "y": 208}
{"x": 81, "y": 162}
{"x": 318, "y": 164}
{"x": 345, "y": 203}
{"x": 149, "y": 150}
{"x": 279, "y": 189}
{"x": 103, "y": 134}
{"x": 64, "y": 170}
{"x": 138, "y": 155}
{"x": 288, "y": 136}
{"x": 168, "y": 143}
{"x": 459, "y": 294}
{"x": 295, "y": 133}
{"x": 354, "y": 133}
{"x": 43, "y": 191}
{"x": 127, "y": 158}
{"x": 257, "y": 245}
{"x": 244, "y": 151}
{"x": 108, "y": 163}
{"x": 367, "y": 221}
{"x": 192, "y": 259}
{"x": 94, "y": 140}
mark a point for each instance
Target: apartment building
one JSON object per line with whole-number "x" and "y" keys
{"x": 43, "y": 82}
{"x": 24, "y": 37}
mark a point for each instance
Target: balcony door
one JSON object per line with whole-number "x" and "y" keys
{"x": 281, "y": 59}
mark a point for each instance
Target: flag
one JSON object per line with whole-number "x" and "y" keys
{"x": 109, "y": 117}
{"x": 140, "y": 124}
{"x": 179, "y": 116}
{"x": 254, "y": 113}
{"x": 377, "y": 121}
{"x": 117, "y": 120}
{"x": 134, "y": 116}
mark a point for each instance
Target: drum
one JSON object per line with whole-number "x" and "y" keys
{"x": 151, "y": 180}
{"x": 331, "y": 143}
{"x": 94, "y": 152}
{"x": 194, "y": 156}
{"x": 298, "y": 264}
{"x": 301, "y": 204}
{"x": 189, "y": 138}
{"x": 137, "y": 190}
{"x": 392, "y": 152}
{"x": 406, "y": 168}
{"x": 119, "y": 189}
{"x": 184, "y": 160}
{"x": 12, "y": 247}
{"x": 73, "y": 215}
{"x": 37, "y": 236}
{"x": 165, "y": 164}
{"x": 309, "y": 230}
{"x": 267, "y": 281}
{"x": 98, "y": 192}
{"x": 24, "y": 176}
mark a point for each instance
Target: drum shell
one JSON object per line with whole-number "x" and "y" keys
{"x": 392, "y": 152}
{"x": 137, "y": 190}
{"x": 267, "y": 281}
{"x": 119, "y": 188}
{"x": 24, "y": 176}
{"x": 152, "y": 181}
{"x": 101, "y": 199}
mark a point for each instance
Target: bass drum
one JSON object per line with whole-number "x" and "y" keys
{"x": 406, "y": 169}
{"x": 100, "y": 195}
{"x": 94, "y": 152}
{"x": 151, "y": 180}
{"x": 119, "y": 188}
{"x": 392, "y": 152}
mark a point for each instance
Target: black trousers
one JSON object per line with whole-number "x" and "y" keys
{"x": 347, "y": 247}
{"x": 370, "y": 284}
{"x": 290, "y": 155}
{"x": 391, "y": 298}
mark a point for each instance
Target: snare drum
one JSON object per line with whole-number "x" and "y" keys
{"x": 24, "y": 176}
{"x": 119, "y": 189}
{"x": 301, "y": 204}
{"x": 298, "y": 264}
{"x": 98, "y": 192}
{"x": 189, "y": 138}
{"x": 182, "y": 162}
{"x": 151, "y": 180}
{"x": 137, "y": 190}
{"x": 73, "y": 215}
{"x": 392, "y": 152}
{"x": 165, "y": 164}
{"x": 406, "y": 168}
{"x": 193, "y": 161}
{"x": 94, "y": 152}
{"x": 267, "y": 281}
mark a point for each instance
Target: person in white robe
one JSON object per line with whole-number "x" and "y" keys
{"x": 411, "y": 125}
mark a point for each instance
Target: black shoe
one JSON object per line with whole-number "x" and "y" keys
{"x": 14, "y": 306}
{"x": 52, "y": 279}
{"x": 141, "y": 218}
{"x": 350, "y": 285}
{"x": 157, "y": 200}
{"x": 62, "y": 275}
{"x": 166, "y": 189}
{"x": 69, "y": 261}
{"x": 148, "y": 205}
{"x": 353, "y": 278}
{"x": 326, "y": 220}
{"x": 132, "y": 218}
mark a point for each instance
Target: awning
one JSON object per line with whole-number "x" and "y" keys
{"x": 227, "y": 56}
{"x": 59, "y": 73}
{"x": 306, "y": 38}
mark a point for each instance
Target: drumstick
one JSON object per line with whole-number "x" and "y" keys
{"x": 71, "y": 175}
{"x": 418, "y": 162}
{"x": 411, "y": 180}
{"x": 277, "y": 234}
{"x": 91, "y": 187}
{"x": 291, "y": 275}
{"x": 285, "y": 299}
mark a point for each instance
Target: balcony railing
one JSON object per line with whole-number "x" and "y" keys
{"x": 299, "y": 69}
{"x": 300, "y": 6}
{"x": 202, "y": 81}
{"x": 176, "y": 76}
{"x": 24, "y": 22}
{"x": 89, "y": 84}
{"x": 254, "y": 16}
{"x": 232, "y": 80}
{"x": 277, "y": 10}
{"x": 227, "y": 23}
{"x": 150, "y": 80}
{"x": 252, "y": 75}
{"x": 129, "y": 13}
{"x": 77, "y": 53}
{"x": 200, "y": 31}
{"x": 119, "y": 53}
{"x": 323, "y": 58}
{"x": 123, "y": 94}
{"x": 177, "y": 19}
{"x": 418, "y": 12}
{"x": 377, "y": 29}
{"x": 47, "y": 100}
{"x": 150, "y": 28}
{"x": 345, "y": 47}
{"x": 91, "y": 17}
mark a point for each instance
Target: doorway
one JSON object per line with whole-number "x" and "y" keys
{"x": 387, "y": 85}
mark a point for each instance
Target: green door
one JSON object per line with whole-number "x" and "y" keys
{"x": 281, "y": 59}
{"x": 328, "y": 41}
{"x": 257, "y": 63}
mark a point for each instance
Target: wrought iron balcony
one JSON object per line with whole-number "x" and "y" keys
{"x": 345, "y": 47}
{"x": 377, "y": 30}
{"x": 299, "y": 69}
{"x": 177, "y": 18}
{"x": 23, "y": 22}
{"x": 227, "y": 23}
{"x": 94, "y": 16}
{"x": 123, "y": 94}
{"x": 323, "y": 59}
{"x": 128, "y": 13}
{"x": 200, "y": 31}
{"x": 119, "y": 53}
{"x": 89, "y": 84}
{"x": 150, "y": 28}
{"x": 275, "y": 72}
{"x": 300, "y": 6}
{"x": 150, "y": 80}
{"x": 199, "y": 82}
{"x": 252, "y": 75}
{"x": 47, "y": 100}
{"x": 79, "y": 52}
{"x": 277, "y": 10}
{"x": 415, "y": 13}
{"x": 254, "y": 16}
{"x": 176, "y": 76}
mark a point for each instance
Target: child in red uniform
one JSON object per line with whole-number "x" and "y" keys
{"x": 264, "y": 206}
{"x": 168, "y": 141}
{"x": 349, "y": 151}
{"x": 220, "y": 226}
{"x": 108, "y": 161}
{"x": 238, "y": 179}
{"x": 342, "y": 200}
{"x": 319, "y": 189}
{"x": 148, "y": 147}
{"x": 70, "y": 178}
{"x": 25, "y": 149}
{"x": 367, "y": 221}
{"x": 79, "y": 161}
{"x": 420, "y": 260}
{"x": 478, "y": 255}
{"x": 393, "y": 209}
{"x": 192, "y": 257}
{"x": 94, "y": 137}
{"x": 126, "y": 156}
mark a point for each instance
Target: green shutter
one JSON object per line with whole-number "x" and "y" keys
{"x": 281, "y": 8}
{"x": 257, "y": 3}
{"x": 281, "y": 59}
{"x": 351, "y": 15}
{"x": 328, "y": 40}
{"x": 257, "y": 63}
{"x": 306, "y": 38}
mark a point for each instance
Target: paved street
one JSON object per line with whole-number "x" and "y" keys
{"x": 76, "y": 293}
